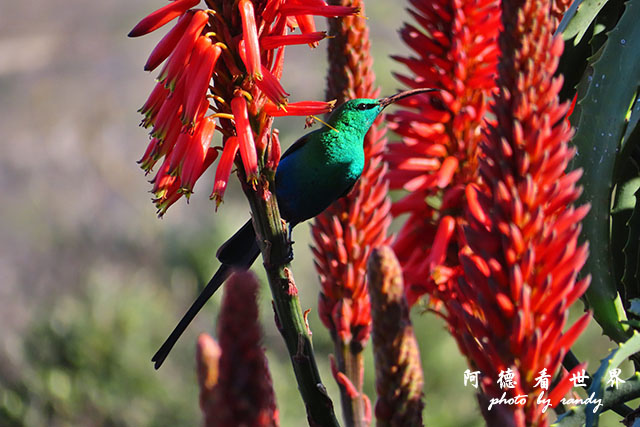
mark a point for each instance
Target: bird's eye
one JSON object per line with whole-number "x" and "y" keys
{"x": 364, "y": 106}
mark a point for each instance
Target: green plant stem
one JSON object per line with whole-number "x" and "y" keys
{"x": 352, "y": 365}
{"x": 276, "y": 250}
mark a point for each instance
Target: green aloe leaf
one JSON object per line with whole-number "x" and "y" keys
{"x": 584, "y": 16}
{"x": 603, "y": 105}
{"x": 632, "y": 248}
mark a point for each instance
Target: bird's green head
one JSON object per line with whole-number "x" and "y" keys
{"x": 357, "y": 115}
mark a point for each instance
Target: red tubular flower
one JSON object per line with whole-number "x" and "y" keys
{"x": 273, "y": 42}
{"x": 155, "y": 101}
{"x": 202, "y": 73}
{"x": 250, "y": 38}
{"x": 168, "y": 43}
{"x": 272, "y": 88}
{"x": 182, "y": 53}
{"x": 454, "y": 49}
{"x": 162, "y": 16}
{"x": 509, "y": 308}
{"x": 243, "y": 393}
{"x": 303, "y": 108}
{"x": 199, "y": 82}
{"x": 198, "y": 153}
{"x": 245, "y": 138}
{"x": 224, "y": 169}
{"x": 318, "y": 10}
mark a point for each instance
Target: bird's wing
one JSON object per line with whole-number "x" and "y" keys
{"x": 297, "y": 145}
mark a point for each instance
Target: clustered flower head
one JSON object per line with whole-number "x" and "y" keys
{"x": 346, "y": 232}
{"x": 454, "y": 49}
{"x": 221, "y": 74}
{"x": 521, "y": 265}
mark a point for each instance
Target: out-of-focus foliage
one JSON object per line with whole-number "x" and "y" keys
{"x": 85, "y": 361}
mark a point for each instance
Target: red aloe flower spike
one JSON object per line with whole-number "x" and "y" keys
{"x": 454, "y": 49}
{"x": 302, "y": 108}
{"x": 243, "y": 393}
{"x": 351, "y": 227}
{"x": 250, "y": 37}
{"x": 161, "y": 16}
{"x": 245, "y": 138}
{"x": 223, "y": 170}
{"x": 164, "y": 48}
{"x": 180, "y": 56}
{"x": 273, "y": 42}
{"x": 519, "y": 240}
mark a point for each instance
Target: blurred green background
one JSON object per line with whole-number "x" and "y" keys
{"x": 91, "y": 282}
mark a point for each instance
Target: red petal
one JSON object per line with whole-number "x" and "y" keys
{"x": 223, "y": 171}
{"x": 199, "y": 84}
{"x": 250, "y": 38}
{"x": 302, "y": 108}
{"x": 246, "y": 140}
{"x": 164, "y": 48}
{"x": 326, "y": 11}
{"x": 161, "y": 16}
{"x": 181, "y": 55}
{"x": 273, "y": 42}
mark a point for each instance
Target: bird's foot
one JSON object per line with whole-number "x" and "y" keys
{"x": 289, "y": 257}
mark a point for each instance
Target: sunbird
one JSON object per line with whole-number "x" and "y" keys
{"x": 318, "y": 169}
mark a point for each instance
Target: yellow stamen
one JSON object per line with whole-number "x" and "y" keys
{"x": 223, "y": 116}
{"x": 325, "y": 123}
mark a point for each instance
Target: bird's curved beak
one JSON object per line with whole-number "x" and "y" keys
{"x": 398, "y": 96}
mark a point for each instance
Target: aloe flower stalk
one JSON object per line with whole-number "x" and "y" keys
{"x": 509, "y": 308}
{"x": 399, "y": 378}
{"x": 345, "y": 233}
{"x": 454, "y": 49}
{"x": 242, "y": 95}
{"x": 203, "y": 87}
{"x": 235, "y": 383}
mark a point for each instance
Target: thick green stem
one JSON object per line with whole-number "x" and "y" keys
{"x": 276, "y": 248}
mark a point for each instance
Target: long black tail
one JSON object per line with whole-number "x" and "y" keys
{"x": 237, "y": 253}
